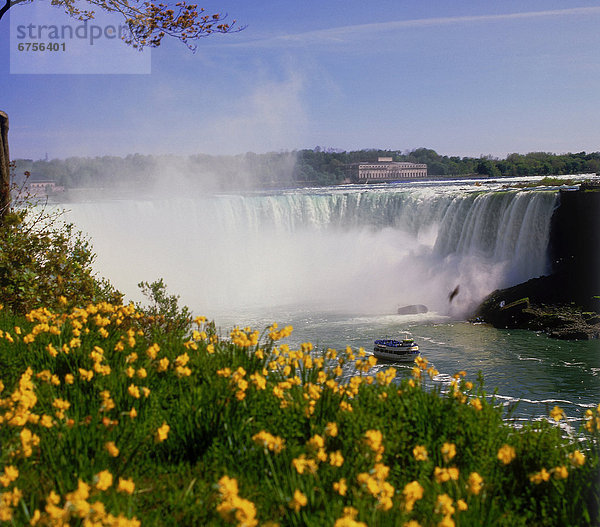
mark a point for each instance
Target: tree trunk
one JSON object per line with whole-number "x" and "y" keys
{"x": 4, "y": 167}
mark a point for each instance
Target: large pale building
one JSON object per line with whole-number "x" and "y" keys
{"x": 385, "y": 169}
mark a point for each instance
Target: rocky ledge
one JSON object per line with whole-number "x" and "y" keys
{"x": 565, "y": 304}
{"x": 534, "y": 305}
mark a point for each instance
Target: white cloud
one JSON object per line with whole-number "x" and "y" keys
{"x": 345, "y": 34}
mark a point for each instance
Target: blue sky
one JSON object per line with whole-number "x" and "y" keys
{"x": 463, "y": 77}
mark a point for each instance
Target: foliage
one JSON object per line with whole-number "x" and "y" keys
{"x": 102, "y": 421}
{"x": 164, "y": 314}
{"x": 283, "y": 169}
{"x": 42, "y": 261}
{"x": 149, "y": 22}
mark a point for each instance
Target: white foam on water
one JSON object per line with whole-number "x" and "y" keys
{"x": 343, "y": 249}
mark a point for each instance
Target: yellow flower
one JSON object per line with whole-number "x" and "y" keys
{"x": 345, "y": 406}
{"x": 506, "y": 454}
{"x": 298, "y": 501}
{"x": 28, "y": 441}
{"x": 420, "y": 453}
{"x": 475, "y": 483}
{"x": 331, "y": 429}
{"x": 446, "y": 521}
{"x": 10, "y": 474}
{"x": 86, "y": 375}
{"x": 182, "y": 360}
{"x": 111, "y": 448}
{"x": 316, "y": 442}
{"x": 104, "y": 480}
{"x": 126, "y": 486}
{"x": 228, "y": 487}
{"x": 412, "y": 492}
{"x": 340, "y": 487}
{"x": 348, "y": 519}
{"x": 152, "y": 351}
{"x": 442, "y": 475}
{"x": 134, "y": 391}
{"x": 462, "y": 505}
{"x": 374, "y": 439}
{"x": 46, "y": 421}
{"x": 577, "y": 458}
{"x": 303, "y": 463}
{"x": 448, "y": 451}
{"x": 476, "y": 403}
{"x": 538, "y": 477}
{"x": 133, "y": 413}
{"x": 162, "y": 432}
{"x": 560, "y": 472}
{"x": 273, "y": 443}
{"x": 259, "y": 381}
{"x": 557, "y": 413}
{"x": 444, "y": 505}
{"x": 421, "y": 362}
{"x": 163, "y": 365}
{"x": 336, "y": 459}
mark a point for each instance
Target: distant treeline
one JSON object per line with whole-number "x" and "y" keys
{"x": 327, "y": 166}
{"x": 303, "y": 167}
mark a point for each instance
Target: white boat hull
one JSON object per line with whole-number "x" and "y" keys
{"x": 396, "y": 351}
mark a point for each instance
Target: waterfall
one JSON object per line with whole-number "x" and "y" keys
{"x": 362, "y": 249}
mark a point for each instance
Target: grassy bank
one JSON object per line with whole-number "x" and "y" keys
{"x": 110, "y": 416}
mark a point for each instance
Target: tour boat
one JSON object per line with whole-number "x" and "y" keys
{"x": 397, "y": 350}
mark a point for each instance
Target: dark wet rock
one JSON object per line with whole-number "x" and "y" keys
{"x": 413, "y": 309}
{"x": 566, "y": 303}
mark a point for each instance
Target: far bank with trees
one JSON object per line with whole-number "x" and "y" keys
{"x": 308, "y": 167}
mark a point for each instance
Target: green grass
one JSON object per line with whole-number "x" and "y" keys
{"x": 218, "y": 392}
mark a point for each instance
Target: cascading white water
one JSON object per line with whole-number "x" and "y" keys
{"x": 353, "y": 249}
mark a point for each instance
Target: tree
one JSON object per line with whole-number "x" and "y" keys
{"x": 150, "y": 22}
{"x": 4, "y": 167}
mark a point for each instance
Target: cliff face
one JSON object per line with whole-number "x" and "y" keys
{"x": 575, "y": 242}
{"x": 565, "y": 304}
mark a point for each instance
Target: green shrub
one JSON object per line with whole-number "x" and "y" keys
{"x": 43, "y": 259}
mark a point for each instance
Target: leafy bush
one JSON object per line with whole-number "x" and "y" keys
{"x": 43, "y": 259}
{"x": 164, "y": 314}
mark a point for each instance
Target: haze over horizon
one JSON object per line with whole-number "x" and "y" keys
{"x": 464, "y": 78}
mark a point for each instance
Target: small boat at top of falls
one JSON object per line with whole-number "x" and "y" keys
{"x": 405, "y": 349}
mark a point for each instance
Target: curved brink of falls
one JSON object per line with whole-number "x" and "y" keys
{"x": 349, "y": 248}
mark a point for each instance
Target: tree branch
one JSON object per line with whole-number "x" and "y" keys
{"x": 8, "y": 5}
{"x": 4, "y": 8}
